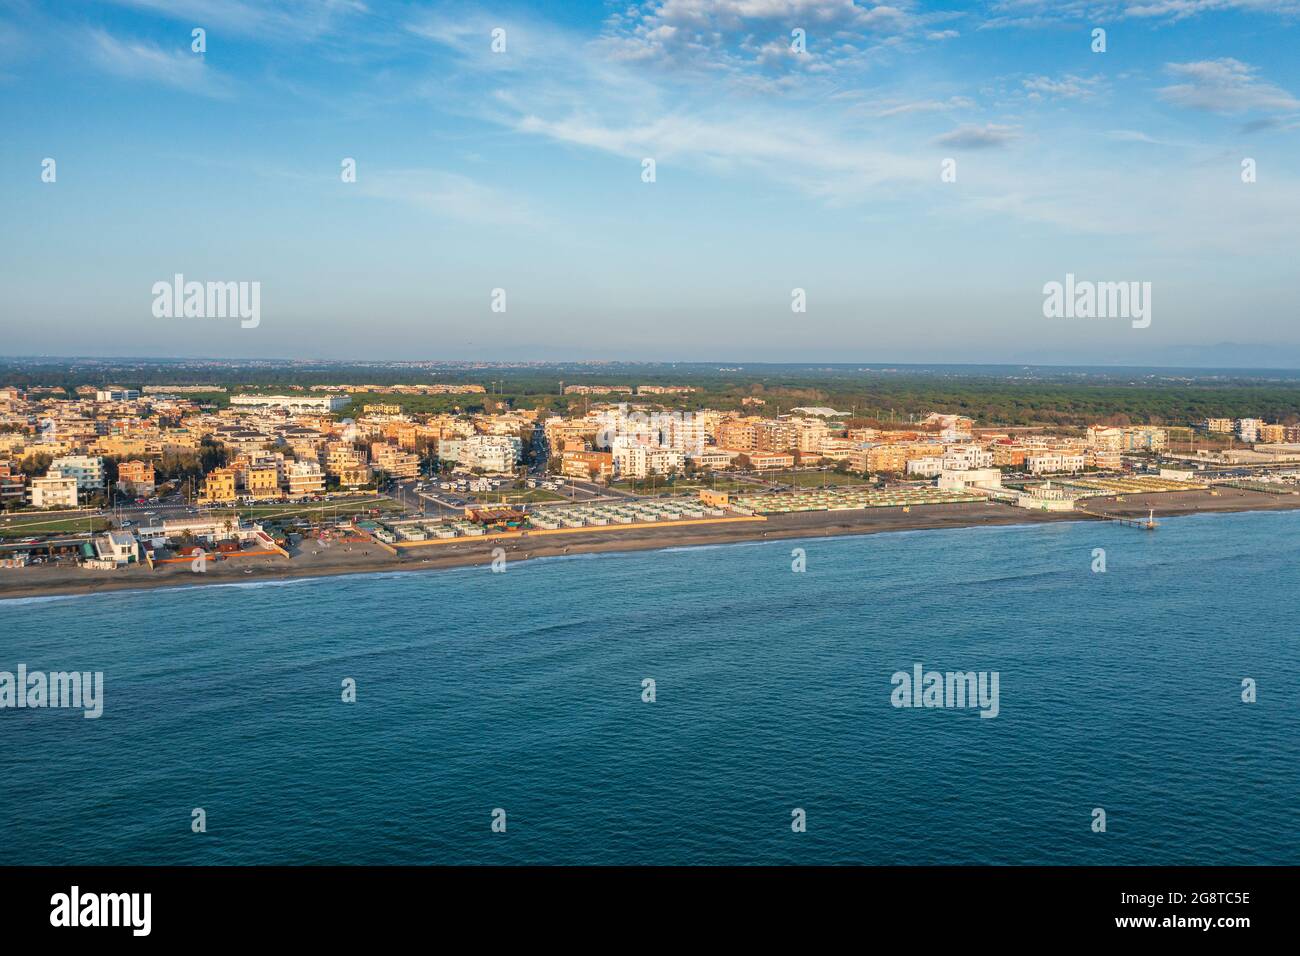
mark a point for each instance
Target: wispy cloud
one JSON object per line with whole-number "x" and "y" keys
{"x": 448, "y": 195}
{"x": 140, "y": 60}
{"x": 974, "y": 136}
{"x": 1225, "y": 86}
{"x": 302, "y": 19}
{"x": 1067, "y": 87}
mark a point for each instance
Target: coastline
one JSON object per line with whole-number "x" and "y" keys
{"x": 339, "y": 560}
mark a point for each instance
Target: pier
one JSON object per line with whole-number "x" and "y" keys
{"x": 1148, "y": 523}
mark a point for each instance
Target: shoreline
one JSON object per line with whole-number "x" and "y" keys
{"x": 338, "y": 561}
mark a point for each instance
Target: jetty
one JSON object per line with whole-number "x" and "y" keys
{"x": 1148, "y": 523}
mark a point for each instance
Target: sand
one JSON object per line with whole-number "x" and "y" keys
{"x": 312, "y": 560}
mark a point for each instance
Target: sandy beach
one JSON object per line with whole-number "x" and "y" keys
{"x": 310, "y": 559}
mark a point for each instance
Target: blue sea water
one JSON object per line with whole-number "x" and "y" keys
{"x": 522, "y": 690}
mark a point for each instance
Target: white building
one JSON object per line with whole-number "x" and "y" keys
{"x": 116, "y": 395}
{"x": 117, "y": 547}
{"x": 966, "y": 458}
{"x": 925, "y": 467}
{"x": 1051, "y": 463}
{"x": 1248, "y": 429}
{"x": 983, "y": 478}
{"x": 54, "y": 491}
{"x": 293, "y": 403}
{"x": 493, "y": 453}
{"x": 305, "y": 478}
{"x": 637, "y": 461}
{"x": 88, "y": 470}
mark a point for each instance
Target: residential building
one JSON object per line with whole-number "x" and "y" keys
{"x": 136, "y": 478}
{"x": 87, "y": 469}
{"x": 492, "y": 453}
{"x": 219, "y": 485}
{"x": 305, "y": 478}
{"x": 54, "y": 491}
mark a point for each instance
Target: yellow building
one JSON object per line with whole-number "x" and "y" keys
{"x": 263, "y": 481}
{"x": 219, "y": 485}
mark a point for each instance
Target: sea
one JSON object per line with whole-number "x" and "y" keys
{"x": 710, "y": 705}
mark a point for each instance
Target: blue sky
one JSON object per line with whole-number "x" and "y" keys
{"x": 774, "y": 170}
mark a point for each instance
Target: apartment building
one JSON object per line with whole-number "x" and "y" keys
{"x": 262, "y": 481}
{"x": 1008, "y": 454}
{"x": 1103, "y": 458}
{"x": 925, "y": 467}
{"x": 738, "y": 434}
{"x": 13, "y": 484}
{"x": 54, "y": 490}
{"x": 1219, "y": 425}
{"x": 219, "y": 485}
{"x": 492, "y": 453}
{"x": 580, "y": 463}
{"x": 1272, "y": 434}
{"x": 391, "y": 459}
{"x": 1248, "y": 429}
{"x": 88, "y": 470}
{"x": 637, "y": 461}
{"x": 966, "y": 458}
{"x": 1052, "y": 463}
{"x": 305, "y": 478}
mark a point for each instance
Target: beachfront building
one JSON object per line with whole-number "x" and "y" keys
{"x": 1051, "y": 463}
{"x": 88, "y": 470}
{"x": 305, "y": 478}
{"x": 54, "y": 491}
{"x": 966, "y": 458}
{"x": 925, "y": 467}
{"x": 1103, "y": 458}
{"x": 118, "y": 548}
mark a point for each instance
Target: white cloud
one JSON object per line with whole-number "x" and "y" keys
{"x": 974, "y": 136}
{"x": 1068, "y": 87}
{"x": 446, "y": 194}
{"x": 138, "y": 60}
{"x": 1224, "y": 86}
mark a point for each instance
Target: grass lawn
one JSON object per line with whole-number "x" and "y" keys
{"x": 29, "y": 526}
{"x": 815, "y": 479}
